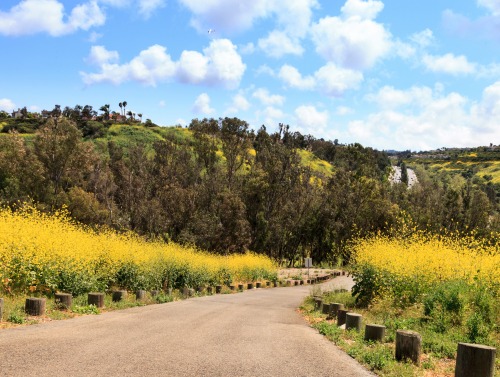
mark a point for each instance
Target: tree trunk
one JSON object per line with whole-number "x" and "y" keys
{"x": 96, "y": 299}
{"x": 475, "y": 360}
{"x": 408, "y": 346}
{"x": 64, "y": 300}
{"x": 35, "y": 306}
{"x": 374, "y": 333}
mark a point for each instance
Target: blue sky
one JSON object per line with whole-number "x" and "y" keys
{"x": 387, "y": 74}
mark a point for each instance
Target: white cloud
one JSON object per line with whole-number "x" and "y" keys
{"x": 293, "y": 78}
{"x": 448, "y": 63}
{"x": 267, "y": 99}
{"x": 362, "y": 9}
{"x": 147, "y": 7}
{"x": 355, "y": 42}
{"x": 278, "y": 43}
{"x": 162, "y": 103}
{"x": 219, "y": 65}
{"x": 424, "y": 38}
{"x": 310, "y": 120}
{"x": 247, "y": 49}
{"x": 48, "y": 16}
{"x": 390, "y": 98}
{"x": 272, "y": 116}
{"x": 202, "y": 105}
{"x": 344, "y": 110}
{"x": 239, "y": 103}
{"x": 7, "y": 105}
{"x": 492, "y": 5}
{"x": 99, "y": 56}
{"x": 265, "y": 70}
{"x": 329, "y": 79}
{"x": 428, "y": 118}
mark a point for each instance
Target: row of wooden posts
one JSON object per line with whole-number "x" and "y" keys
{"x": 472, "y": 359}
{"x": 36, "y": 306}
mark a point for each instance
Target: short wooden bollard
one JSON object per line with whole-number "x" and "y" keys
{"x": 154, "y": 292}
{"x": 318, "y": 304}
{"x": 118, "y": 296}
{"x": 258, "y": 285}
{"x": 275, "y": 284}
{"x": 296, "y": 282}
{"x": 35, "y": 306}
{"x": 240, "y": 287}
{"x": 1, "y": 309}
{"x": 218, "y": 288}
{"x": 209, "y": 290}
{"x": 408, "y": 346}
{"x": 96, "y": 299}
{"x": 334, "y": 308}
{"x": 475, "y": 360}
{"x": 374, "y": 333}
{"x": 268, "y": 283}
{"x": 325, "y": 309}
{"x": 341, "y": 316}
{"x": 353, "y": 321}
{"x": 63, "y": 300}
{"x": 250, "y": 286}
{"x": 140, "y": 294}
{"x": 232, "y": 287}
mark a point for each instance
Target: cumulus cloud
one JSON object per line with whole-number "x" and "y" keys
{"x": 218, "y": 65}
{"x": 239, "y": 103}
{"x": 487, "y": 26}
{"x": 424, "y": 38}
{"x": 448, "y": 63}
{"x": 265, "y": 98}
{"x": 427, "y": 118}
{"x": 310, "y": 120}
{"x": 202, "y": 105}
{"x": 353, "y": 40}
{"x": 147, "y": 7}
{"x": 278, "y": 43}
{"x": 492, "y": 5}
{"x": 48, "y": 16}
{"x": 330, "y": 79}
{"x": 272, "y": 116}
{"x": 7, "y": 105}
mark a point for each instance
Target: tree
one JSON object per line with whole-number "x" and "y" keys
{"x": 105, "y": 110}
{"x": 140, "y": 116}
{"x": 124, "y": 103}
{"x": 121, "y": 108}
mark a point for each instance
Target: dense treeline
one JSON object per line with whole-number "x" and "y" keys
{"x": 227, "y": 188}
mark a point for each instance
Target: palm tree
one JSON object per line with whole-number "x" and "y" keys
{"x": 124, "y": 107}
{"x": 130, "y": 114}
{"x": 121, "y": 105}
{"x": 140, "y": 116}
{"x": 105, "y": 110}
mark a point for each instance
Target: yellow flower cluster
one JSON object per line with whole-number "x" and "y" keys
{"x": 49, "y": 253}
{"x": 431, "y": 258}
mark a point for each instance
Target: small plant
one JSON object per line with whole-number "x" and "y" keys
{"x": 86, "y": 309}
{"x": 162, "y": 298}
{"x": 16, "y": 318}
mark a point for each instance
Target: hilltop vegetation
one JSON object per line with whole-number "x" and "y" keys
{"x": 225, "y": 188}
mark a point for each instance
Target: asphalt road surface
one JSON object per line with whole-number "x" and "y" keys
{"x": 255, "y": 333}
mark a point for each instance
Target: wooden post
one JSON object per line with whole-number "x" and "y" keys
{"x": 63, "y": 300}
{"x": 218, "y": 288}
{"x": 275, "y": 284}
{"x": 295, "y": 282}
{"x": 118, "y": 296}
{"x": 35, "y": 306}
{"x": 232, "y": 287}
{"x": 154, "y": 292}
{"x": 258, "y": 285}
{"x": 408, "y": 346}
{"x": 341, "y": 316}
{"x": 1, "y": 309}
{"x": 240, "y": 287}
{"x": 318, "y": 304}
{"x": 96, "y": 299}
{"x": 374, "y": 333}
{"x": 140, "y": 294}
{"x": 325, "y": 309}
{"x": 268, "y": 283}
{"x": 353, "y": 321}
{"x": 250, "y": 286}
{"x": 209, "y": 290}
{"x": 334, "y": 308}
{"x": 475, "y": 360}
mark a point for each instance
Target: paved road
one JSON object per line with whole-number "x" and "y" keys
{"x": 255, "y": 333}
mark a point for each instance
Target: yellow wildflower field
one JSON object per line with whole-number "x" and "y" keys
{"x": 42, "y": 253}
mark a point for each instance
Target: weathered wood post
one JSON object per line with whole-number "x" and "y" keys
{"x": 1, "y": 309}
{"x": 218, "y": 288}
{"x": 374, "y": 333}
{"x": 268, "y": 283}
{"x": 250, "y": 286}
{"x": 140, "y": 294}
{"x": 475, "y": 360}
{"x": 209, "y": 290}
{"x": 341, "y": 316}
{"x": 240, "y": 287}
{"x": 63, "y": 300}
{"x": 334, "y": 308}
{"x": 154, "y": 292}
{"x": 96, "y": 298}
{"x": 408, "y": 346}
{"x": 275, "y": 284}
{"x": 325, "y": 309}
{"x": 35, "y": 306}
{"x": 118, "y": 296}
{"x": 232, "y": 287}
{"x": 318, "y": 304}
{"x": 353, "y": 321}
{"x": 185, "y": 291}
{"x": 296, "y": 282}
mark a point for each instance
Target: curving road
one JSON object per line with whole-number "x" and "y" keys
{"x": 255, "y": 333}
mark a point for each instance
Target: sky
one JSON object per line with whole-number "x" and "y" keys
{"x": 391, "y": 74}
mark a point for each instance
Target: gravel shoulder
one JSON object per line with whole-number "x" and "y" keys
{"x": 255, "y": 333}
